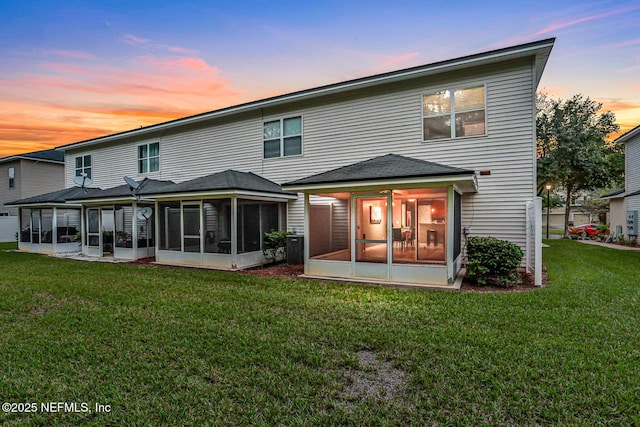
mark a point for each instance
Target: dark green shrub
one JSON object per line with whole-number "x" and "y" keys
{"x": 492, "y": 259}
{"x": 274, "y": 246}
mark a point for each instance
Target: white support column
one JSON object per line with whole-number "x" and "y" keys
{"x": 234, "y": 232}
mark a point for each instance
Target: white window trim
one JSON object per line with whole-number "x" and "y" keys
{"x": 147, "y": 159}
{"x": 83, "y": 168}
{"x": 453, "y": 112}
{"x": 282, "y": 137}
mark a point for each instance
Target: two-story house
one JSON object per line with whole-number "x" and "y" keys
{"x": 26, "y": 175}
{"x": 385, "y": 176}
{"x": 625, "y": 204}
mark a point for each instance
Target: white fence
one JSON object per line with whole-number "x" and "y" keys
{"x": 9, "y": 226}
{"x": 534, "y": 240}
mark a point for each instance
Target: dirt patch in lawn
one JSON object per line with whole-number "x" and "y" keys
{"x": 374, "y": 379}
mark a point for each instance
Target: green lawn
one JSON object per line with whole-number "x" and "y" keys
{"x": 170, "y": 346}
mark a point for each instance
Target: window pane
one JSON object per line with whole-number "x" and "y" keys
{"x": 293, "y": 126}
{"x": 154, "y": 164}
{"x": 94, "y": 240}
{"x": 35, "y": 226}
{"x": 272, "y": 148}
{"x": 191, "y": 217}
{"x": 271, "y": 130}
{"x": 47, "y": 226}
{"x": 169, "y": 222}
{"x": 437, "y": 127}
{"x": 471, "y": 123}
{"x": 124, "y": 226}
{"x": 78, "y": 172}
{"x": 469, "y": 99}
{"x": 78, "y": 162}
{"x": 329, "y": 237}
{"x": 438, "y": 103}
{"x": 87, "y": 161}
{"x": 154, "y": 149}
{"x": 142, "y": 166}
{"x": 217, "y": 226}
{"x": 93, "y": 221}
{"x": 192, "y": 244}
{"x": 146, "y": 229}
{"x": 293, "y": 146}
{"x": 142, "y": 151}
{"x": 68, "y": 224}
{"x": 25, "y": 225}
{"x": 88, "y": 172}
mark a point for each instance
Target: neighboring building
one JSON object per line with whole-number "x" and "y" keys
{"x": 30, "y": 174}
{"x": 625, "y": 206}
{"x": 385, "y": 176}
{"x": 26, "y": 175}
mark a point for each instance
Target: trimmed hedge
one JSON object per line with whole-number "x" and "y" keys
{"x": 492, "y": 259}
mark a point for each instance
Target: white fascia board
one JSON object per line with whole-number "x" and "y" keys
{"x": 627, "y": 136}
{"x": 540, "y": 51}
{"x": 105, "y": 200}
{"x": 387, "y": 183}
{"x": 222, "y": 194}
{"x": 48, "y": 205}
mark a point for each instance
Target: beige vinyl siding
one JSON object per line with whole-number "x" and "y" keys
{"x": 41, "y": 177}
{"x": 10, "y": 194}
{"x": 350, "y": 127}
{"x": 632, "y": 172}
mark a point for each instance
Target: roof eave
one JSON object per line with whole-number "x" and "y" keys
{"x": 540, "y": 50}
{"x": 629, "y": 135}
{"x": 221, "y": 193}
{"x": 469, "y": 178}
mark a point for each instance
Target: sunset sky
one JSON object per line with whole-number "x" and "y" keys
{"x": 73, "y": 70}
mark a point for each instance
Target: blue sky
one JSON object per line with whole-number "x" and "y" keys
{"x": 73, "y": 70}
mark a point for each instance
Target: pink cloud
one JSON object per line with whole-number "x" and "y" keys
{"x": 397, "y": 60}
{"x": 624, "y": 44}
{"x": 568, "y": 23}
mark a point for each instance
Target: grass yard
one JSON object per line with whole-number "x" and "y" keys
{"x": 170, "y": 346}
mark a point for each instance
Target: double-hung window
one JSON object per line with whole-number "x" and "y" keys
{"x": 12, "y": 177}
{"x": 83, "y": 166}
{"x": 149, "y": 157}
{"x": 454, "y": 113}
{"x": 282, "y": 138}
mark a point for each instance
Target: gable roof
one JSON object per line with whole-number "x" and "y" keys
{"x": 539, "y": 50}
{"x": 55, "y": 197}
{"x": 628, "y": 135}
{"x": 147, "y": 186}
{"x": 222, "y": 181}
{"x": 53, "y": 156}
{"x": 386, "y": 167}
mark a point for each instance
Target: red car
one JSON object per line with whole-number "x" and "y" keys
{"x": 584, "y": 230}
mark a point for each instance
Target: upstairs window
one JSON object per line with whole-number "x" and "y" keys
{"x": 12, "y": 177}
{"x": 283, "y": 137}
{"x": 454, "y": 113}
{"x": 149, "y": 158}
{"x": 83, "y": 166}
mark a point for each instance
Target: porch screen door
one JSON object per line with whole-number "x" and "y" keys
{"x": 371, "y": 237}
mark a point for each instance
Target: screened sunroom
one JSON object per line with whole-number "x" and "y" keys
{"x": 48, "y": 224}
{"x": 391, "y": 219}
{"x": 218, "y": 221}
{"x": 119, "y": 222}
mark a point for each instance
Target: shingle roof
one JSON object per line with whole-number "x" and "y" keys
{"x": 384, "y": 167}
{"x": 227, "y": 180}
{"x": 147, "y": 186}
{"x": 56, "y": 197}
{"x": 47, "y": 155}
